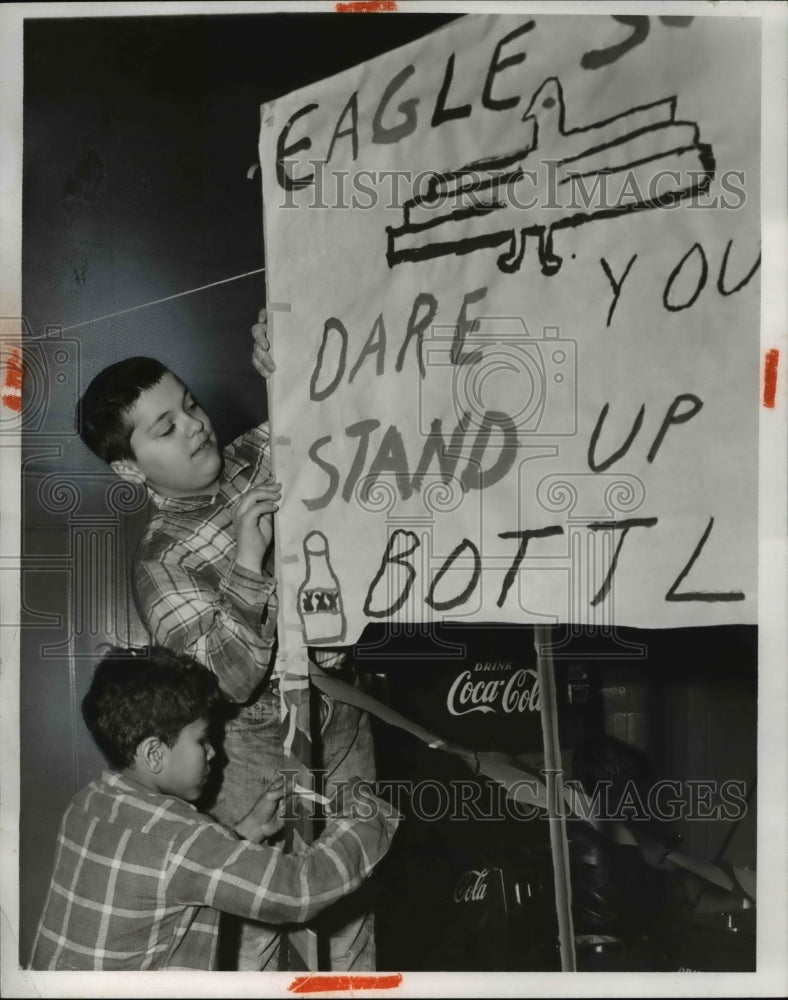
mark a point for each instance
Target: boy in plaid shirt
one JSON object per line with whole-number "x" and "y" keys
{"x": 140, "y": 875}
{"x": 204, "y": 585}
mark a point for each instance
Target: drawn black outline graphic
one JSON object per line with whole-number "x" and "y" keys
{"x": 648, "y": 125}
{"x": 315, "y": 544}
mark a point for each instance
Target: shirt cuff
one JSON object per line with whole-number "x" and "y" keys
{"x": 247, "y": 590}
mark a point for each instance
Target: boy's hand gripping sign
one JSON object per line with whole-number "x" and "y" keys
{"x": 513, "y": 270}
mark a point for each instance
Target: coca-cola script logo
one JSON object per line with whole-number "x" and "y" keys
{"x": 472, "y": 886}
{"x": 518, "y": 692}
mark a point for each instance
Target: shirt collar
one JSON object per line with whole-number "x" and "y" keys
{"x": 182, "y": 504}
{"x": 126, "y": 782}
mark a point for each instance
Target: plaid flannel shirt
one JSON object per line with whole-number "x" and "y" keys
{"x": 190, "y": 593}
{"x": 140, "y": 879}
{"x": 189, "y": 590}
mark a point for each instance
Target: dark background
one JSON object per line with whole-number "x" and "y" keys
{"x": 138, "y": 137}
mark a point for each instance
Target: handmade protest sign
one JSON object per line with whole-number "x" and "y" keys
{"x": 513, "y": 275}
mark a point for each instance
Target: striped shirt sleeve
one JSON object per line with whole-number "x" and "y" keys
{"x": 261, "y": 882}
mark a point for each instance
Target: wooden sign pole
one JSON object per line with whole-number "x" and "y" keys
{"x": 559, "y": 844}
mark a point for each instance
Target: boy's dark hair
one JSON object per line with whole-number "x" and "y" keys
{"x": 149, "y": 691}
{"x": 102, "y": 410}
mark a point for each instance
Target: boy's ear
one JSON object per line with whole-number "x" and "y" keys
{"x": 128, "y": 470}
{"x": 150, "y": 754}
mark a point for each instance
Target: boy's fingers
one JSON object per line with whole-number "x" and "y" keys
{"x": 265, "y": 368}
{"x": 249, "y": 506}
{"x": 262, "y": 360}
{"x": 266, "y": 491}
{"x": 260, "y": 332}
{"x": 269, "y": 494}
{"x": 265, "y": 505}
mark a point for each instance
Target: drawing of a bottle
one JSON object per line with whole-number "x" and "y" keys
{"x": 319, "y": 596}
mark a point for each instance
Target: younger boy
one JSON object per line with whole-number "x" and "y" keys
{"x": 140, "y": 875}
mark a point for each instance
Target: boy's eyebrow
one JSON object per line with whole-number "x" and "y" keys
{"x": 168, "y": 413}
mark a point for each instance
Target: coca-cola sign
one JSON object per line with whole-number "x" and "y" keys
{"x": 476, "y": 691}
{"x": 474, "y": 686}
{"x": 472, "y": 886}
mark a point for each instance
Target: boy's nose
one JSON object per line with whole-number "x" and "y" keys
{"x": 210, "y": 753}
{"x": 194, "y": 424}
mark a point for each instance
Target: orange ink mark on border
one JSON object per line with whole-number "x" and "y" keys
{"x": 366, "y": 7}
{"x": 330, "y": 983}
{"x": 13, "y": 380}
{"x": 770, "y": 377}
{"x": 12, "y": 402}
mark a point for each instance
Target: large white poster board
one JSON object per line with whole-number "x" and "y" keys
{"x": 513, "y": 273}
